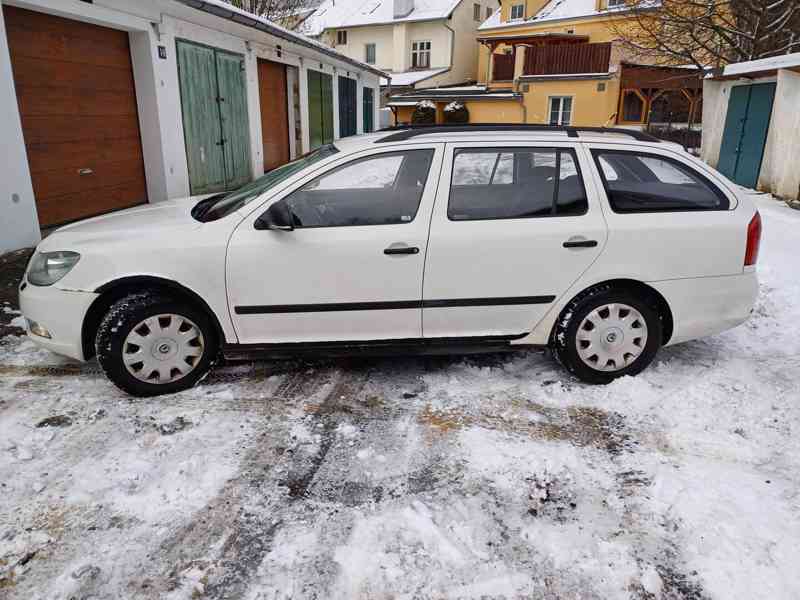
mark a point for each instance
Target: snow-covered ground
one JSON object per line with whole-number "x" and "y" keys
{"x": 481, "y": 477}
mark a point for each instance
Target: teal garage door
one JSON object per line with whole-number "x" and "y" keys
{"x": 745, "y": 133}
{"x": 215, "y": 122}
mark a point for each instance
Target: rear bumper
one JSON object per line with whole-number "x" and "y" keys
{"x": 708, "y": 305}
{"x": 59, "y": 311}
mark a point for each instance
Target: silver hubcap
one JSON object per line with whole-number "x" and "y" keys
{"x": 163, "y": 348}
{"x": 611, "y": 337}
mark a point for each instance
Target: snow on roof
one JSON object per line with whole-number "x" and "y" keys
{"x": 222, "y": 8}
{"x": 556, "y": 10}
{"x": 785, "y": 61}
{"x": 352, "y": 13}
{"x": 412, "y": 77}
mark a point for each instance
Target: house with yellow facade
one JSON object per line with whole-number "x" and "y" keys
{"x": 559, "y": 62}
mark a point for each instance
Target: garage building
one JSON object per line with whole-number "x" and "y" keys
{"x": 111, "y": 104}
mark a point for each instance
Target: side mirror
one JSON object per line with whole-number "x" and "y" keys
{"x": 277, "y": 218}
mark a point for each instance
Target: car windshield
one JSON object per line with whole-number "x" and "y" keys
{"x": 221, "y": 205}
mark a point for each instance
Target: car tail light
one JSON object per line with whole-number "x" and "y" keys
{"x": 753, "y": 240}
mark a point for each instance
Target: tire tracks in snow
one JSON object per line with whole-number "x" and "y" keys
{"x": 229, "y": 538}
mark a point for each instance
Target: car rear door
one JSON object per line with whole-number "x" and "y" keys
{"x": 513, "y": 227}
{"x": 352, "y": 267}
{"x": 670, "y": 216}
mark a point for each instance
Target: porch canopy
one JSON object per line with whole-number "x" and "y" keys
{"x": 652, "y": 93}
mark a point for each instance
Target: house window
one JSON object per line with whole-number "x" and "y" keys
{"x": 369, "y": 54}
{"x": 615, "y": 3}
{"x": 517, "y": 12}
{"x": 341, "y": 38}
{"x": 421, "y": 55}
{"x": 476, "y": 12}
{"x": 560, "y": 110}
{"x": 488, "y": 11}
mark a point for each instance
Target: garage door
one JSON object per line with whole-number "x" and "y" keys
{"x": 274, "y": 113}
{"x": 77, "y": 101}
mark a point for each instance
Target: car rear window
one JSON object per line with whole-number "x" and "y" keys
{"x": 515, "y": 183}
{"x": 638, "y": 182}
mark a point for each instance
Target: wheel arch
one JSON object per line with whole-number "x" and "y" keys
{"x": 114, "y": 290}
{"x": 638, "y": 287}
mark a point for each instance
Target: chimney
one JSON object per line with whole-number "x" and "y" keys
{"x": 402, "y": 8}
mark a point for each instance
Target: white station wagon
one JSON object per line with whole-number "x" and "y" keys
{"x": 602, "y": 244}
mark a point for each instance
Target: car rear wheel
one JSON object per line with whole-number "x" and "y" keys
{"x": 150, "y": 344}
{"x": 607, "y": 333}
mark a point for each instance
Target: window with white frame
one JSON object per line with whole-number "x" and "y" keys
{"x": 341, "y": 38}
{"x": 369, "y": 54}
{"x": 421, "y": 54}
{"x": 517, "y": 12}
{"x": 560, "y": 110}
{"x": 615, "y": 3}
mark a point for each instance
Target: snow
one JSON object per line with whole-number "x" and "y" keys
{"x": 412, "y": 77}
{"x": 556, "y": 10}
{"x": 785, "y": 61}
{"x": 453, "y": 106}
{"x": 301, "y": 38}
{"x": 350, "y": 13}
{"x": 461, "y": 477}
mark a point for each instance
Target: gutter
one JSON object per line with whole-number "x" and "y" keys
{"x": 266, "y": 26}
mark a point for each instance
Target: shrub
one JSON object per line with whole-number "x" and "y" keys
{"x": 424, "y": 113}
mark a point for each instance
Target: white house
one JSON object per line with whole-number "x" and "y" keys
{"x": 112, "y": 103}
{"x": 422, "y": 43}
{"x": 751, "y": 123}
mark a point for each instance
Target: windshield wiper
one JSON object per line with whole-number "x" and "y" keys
{"x": 201, "y": 208}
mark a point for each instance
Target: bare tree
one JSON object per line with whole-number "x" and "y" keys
{"x": 280, "y": 11}
{"x": 709, "y": 32}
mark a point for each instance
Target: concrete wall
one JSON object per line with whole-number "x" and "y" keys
{"x": 154, "y": 23}
{"x": 19, "y": 225}
{"x": 779, "y": 167}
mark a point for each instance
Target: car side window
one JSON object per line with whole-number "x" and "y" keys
{"x": 378, "y": 190}
{"x": 639, "y": 182}
{"x": 515, "y": 183}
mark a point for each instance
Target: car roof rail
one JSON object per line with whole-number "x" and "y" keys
{"x": 399, "y": 133}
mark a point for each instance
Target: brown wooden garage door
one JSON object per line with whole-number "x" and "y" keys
{"x": 274, "y": 113}
{"x": 76, "y": 96}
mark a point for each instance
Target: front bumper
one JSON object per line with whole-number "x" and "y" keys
{"x": 61, "y": 312}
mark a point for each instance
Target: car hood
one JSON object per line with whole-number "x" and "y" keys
{"x": 146, "y": 220}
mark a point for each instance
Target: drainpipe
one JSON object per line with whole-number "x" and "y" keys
{"x": 452, "y": 42}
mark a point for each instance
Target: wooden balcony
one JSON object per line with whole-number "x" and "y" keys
{"x": 502, "y": 67}
{"x": 568, "y": 59}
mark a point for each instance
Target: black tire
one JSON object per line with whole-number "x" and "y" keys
{"x": 127, "y": 313}
{"x": 563, "y": 342}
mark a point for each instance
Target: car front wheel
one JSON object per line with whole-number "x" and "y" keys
{"x": 150, "y": 344}
{"x": 607, "y": 333}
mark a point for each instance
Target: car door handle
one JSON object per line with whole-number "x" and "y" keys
{"x": 401, "y": 250}
{"x": 580, "y": 244}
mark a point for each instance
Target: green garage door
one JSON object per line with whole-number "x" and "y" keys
{"x": 347, "y": 107}
{"x": 215, "y": 123}
{"x": 320, "y": 109}
{"x": 745, "y": 133}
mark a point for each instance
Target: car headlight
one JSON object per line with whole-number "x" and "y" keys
{"x": 48, "y": 267}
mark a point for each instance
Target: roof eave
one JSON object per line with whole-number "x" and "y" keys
{"x": 279, "y": 32}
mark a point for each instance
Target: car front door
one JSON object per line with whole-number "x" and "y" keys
{"x": 351, "y": 268}
{"x": 514, "y": 226}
